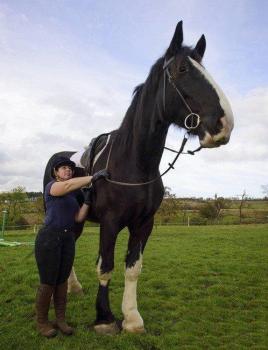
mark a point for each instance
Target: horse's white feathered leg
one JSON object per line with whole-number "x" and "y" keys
{"x": 132, "y": 319}
{"x": 73, "y": 284}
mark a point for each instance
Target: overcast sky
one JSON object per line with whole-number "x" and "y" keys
{"x": 68, "y": 69}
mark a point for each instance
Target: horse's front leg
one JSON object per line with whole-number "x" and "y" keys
{"x": 105, "y": 320}
{"x": 133, "y": 321}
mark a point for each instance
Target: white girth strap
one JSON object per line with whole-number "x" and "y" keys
{"x": 101, "y": 151}
{"x": 76, "y": 157}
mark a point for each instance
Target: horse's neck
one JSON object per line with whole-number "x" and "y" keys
{"x": 142, "y": 139}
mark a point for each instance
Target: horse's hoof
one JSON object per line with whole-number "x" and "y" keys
{"x": 79, "y": 292}
{"x": 76, "y": 291}
{"x": 132, "y": 326}
{"x": 107, "y": 329}
{"x": 137, "y": 330}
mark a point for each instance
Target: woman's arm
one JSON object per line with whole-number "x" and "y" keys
{"x": 61, "y": 188}
{"x": 82, "y": 214}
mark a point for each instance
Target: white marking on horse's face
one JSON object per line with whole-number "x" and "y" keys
{"x": 227, "y": 119}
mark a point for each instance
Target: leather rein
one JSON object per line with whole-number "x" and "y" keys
{"x": 191, "y": 122}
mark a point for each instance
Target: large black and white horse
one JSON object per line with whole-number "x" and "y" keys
{"x": 180, "y": 91}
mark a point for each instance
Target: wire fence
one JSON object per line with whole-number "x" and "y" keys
{"x": 34, "y": 228}
{"x": 188, "y": 222}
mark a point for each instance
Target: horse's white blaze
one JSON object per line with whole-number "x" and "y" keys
{"x": 73, "y": 284}
{"x": 227, "y": 119}
{"x": 104, "y": 278}
{"x": 132, "y": 319}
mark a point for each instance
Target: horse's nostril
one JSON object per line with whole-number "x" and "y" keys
{"x": 222, "y": 141}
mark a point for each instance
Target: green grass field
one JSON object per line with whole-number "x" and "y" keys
{"x": 200, "y": 288}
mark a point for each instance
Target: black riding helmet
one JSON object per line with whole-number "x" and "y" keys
{"x": 60, "y": 161}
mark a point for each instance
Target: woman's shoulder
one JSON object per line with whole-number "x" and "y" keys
{"x": 48, "y": 187}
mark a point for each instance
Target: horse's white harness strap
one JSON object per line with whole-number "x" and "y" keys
{"x": 76, "y": 157}
{"x": 101, "y": 151}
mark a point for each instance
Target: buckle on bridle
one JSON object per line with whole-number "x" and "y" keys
{"x": 192, "y": 121}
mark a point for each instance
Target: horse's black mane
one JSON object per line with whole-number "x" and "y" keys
{"x": 137, "y": 90}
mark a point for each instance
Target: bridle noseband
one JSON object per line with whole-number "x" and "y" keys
{"x": 192, "y": 120}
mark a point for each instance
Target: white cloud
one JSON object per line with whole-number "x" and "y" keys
{"x": 50, "y": 113}
{"x": 66, "y": 115}
{"x": 56, "y": 95}
{"x": 46, "y": 110}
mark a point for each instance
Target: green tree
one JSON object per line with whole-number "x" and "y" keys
{"x": 14, "y": 202}
{"x": 209, "y": 211}
{"x": 242, "y": 204}
{"x": 39, "y": 205}
{"x": 169, "y": 206}
{"x": 213, "y": 209}
{"x": 265, "y": 191}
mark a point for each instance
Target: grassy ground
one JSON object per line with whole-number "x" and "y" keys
{"x": 201, "y": 288}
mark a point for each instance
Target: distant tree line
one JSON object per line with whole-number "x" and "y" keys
{"x": 265, "y": 191}
{"x": 26, "y": 208}
{"x": 19, "y": 204}
{"x": 217, "y": 210}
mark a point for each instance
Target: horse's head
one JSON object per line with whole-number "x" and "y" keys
{"x": 192, "y": 99}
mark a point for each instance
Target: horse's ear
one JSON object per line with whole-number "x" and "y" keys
{"x": 176, "y": 41}
{"x": 201, "y": 46}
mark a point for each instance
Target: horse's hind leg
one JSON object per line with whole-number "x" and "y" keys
{"x": 105, "y": 320}
{"x": 133, "y": 321}
{"x": 73, "y": 284}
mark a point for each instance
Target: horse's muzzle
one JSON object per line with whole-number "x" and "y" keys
{"x": 222, "y": 138}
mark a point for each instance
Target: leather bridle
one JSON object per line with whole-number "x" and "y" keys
{"x": 192, "y": 120}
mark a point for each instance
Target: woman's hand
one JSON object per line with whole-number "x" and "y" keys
{"x": 100, "y": 175}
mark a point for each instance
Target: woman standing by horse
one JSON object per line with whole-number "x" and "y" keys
{"x": 55, "y": 242}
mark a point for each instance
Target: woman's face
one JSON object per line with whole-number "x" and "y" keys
{"x": 64, "y": 172}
